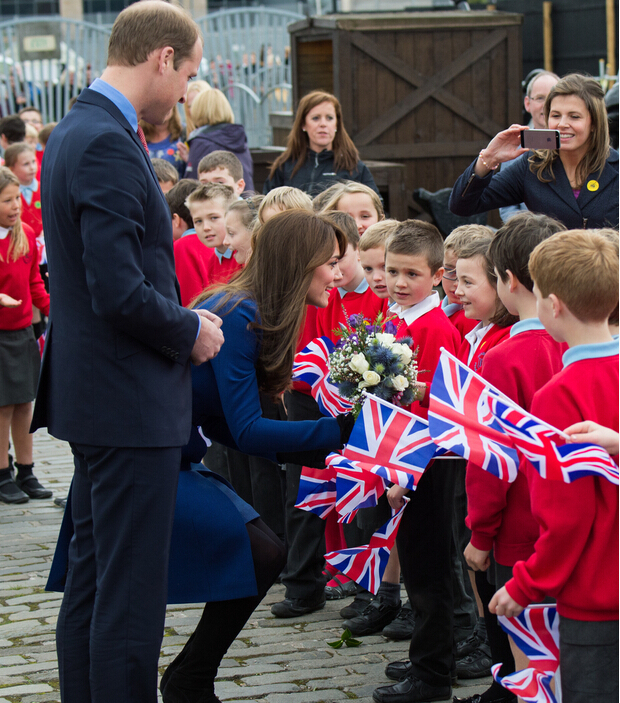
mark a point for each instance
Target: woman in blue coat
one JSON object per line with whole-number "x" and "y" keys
{"x": 293, "y": 264}
{"x": 577, "y": 183}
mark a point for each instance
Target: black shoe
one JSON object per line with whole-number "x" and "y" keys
{"x": 32, "y": 487}
{"x": 476, "y": 664}
{"x": 10, "y": 492}
{"x": 172, "y": 694}
{"x": 373, "y": 619}
{"x": 477, "y": 698}
{"x": 397, "y": 671}
{"x": 60, "y": 502}
{"x": 411, "y": 690}
{"x": 294, "y": 607}
{"x": 401, "y": 628}
{"x": 473, "y": 641}
{"x": 356, "y": 607}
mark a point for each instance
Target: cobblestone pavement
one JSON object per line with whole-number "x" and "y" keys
{"x": 273, "y": 661}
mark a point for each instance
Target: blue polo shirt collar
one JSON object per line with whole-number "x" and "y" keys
{"x": 362, "y": 288}
{"x": 590, "y": 351}
{"x": 531, "y": 325}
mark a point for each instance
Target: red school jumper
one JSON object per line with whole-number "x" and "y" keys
{"x": 494, "y": 336}
{"x": 221, "y": 268}
{"x": 499, "y": 513}
{"x": 31, "y": 214}
{"x": 455, "y": 314}
{"x": 575, "y": 558}
{"x": 21, "y": 280}
{"x": 190, "y": 264}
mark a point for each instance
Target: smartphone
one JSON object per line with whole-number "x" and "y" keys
{"x": 540, "y": 139}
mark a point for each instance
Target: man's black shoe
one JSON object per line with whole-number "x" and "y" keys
{"x": 401, "y": 628}
{"x": 294, "y": 607}
{"x": 397, "y": 671}
{"x": 411, "y": 690}
{"x": 476, "y": 664}
{"x": 477, "y": 698}
{"x": 373, "y": 619}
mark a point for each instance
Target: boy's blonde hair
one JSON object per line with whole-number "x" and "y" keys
{"x": 375, "y": 236}
{"x": 417, "y": 238}
{"x": 285, "y": 198}
{"x": 212, "y": 191}
{"x": 462, "y": 235}
{"x": 349, "y": 187}
{"x": 580, "y": 267}
{"x": 12, "y": 152}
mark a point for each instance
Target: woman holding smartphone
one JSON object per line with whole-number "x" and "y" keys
{"x": 577, "y": 183}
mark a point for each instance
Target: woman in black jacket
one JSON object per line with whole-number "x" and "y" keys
{"x": 319, "y": 152}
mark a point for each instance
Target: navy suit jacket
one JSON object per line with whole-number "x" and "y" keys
{"x": 115, "y": 369}
{"x": 596, "y": 206}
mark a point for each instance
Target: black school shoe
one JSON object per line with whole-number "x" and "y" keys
{"x": 411, "y": 690}
{"x": 398, "y": 671}
{"x": 356, "y": 606}
{"x": 401, "y": 628}
{"x": 294, "y": 607}
{"x": 476, "y": 664}
{"x": 373, "y": 619}
{"x": 477, "y": 698}
{"x": 32, "y": 488}
{"x": 10, "y": 492}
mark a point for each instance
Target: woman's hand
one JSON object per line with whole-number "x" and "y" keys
{"x": 395, "y": 496}
{"x": 477, "y": 559}
{"x": 503, "y": 603}
{"x": 183, "y": 151}
{"x": 591, "y": 432}
{"x": 504, "y": 146}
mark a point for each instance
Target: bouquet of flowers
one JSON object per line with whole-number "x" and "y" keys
{"x": 367, "y": 359}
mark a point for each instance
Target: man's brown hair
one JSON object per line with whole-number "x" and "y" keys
{"x": 580, "y": 267}
{"x": 147, "y": 26}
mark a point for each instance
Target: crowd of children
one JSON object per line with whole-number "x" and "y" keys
{"x": 530, "y": 308}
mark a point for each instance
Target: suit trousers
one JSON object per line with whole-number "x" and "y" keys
{"x": 425, "y": 547}
{"x": 111, "y": 621}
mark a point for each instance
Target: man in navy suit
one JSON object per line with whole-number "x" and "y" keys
{"x": 115, "y": 380}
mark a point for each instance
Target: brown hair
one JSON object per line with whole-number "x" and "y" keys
{"x": 417, "y": 238}
{"x": 176, "y": 197}
{"x": 211, "y": 191}
{"x": 460, "y": 236}
{"x": 286, "y": 198}
{"x": 513, "y": 243}
{"x": 346, "y": 223}
{"x": 287, "y": 251}
{"x": 18, "y": 246}
{"x": 479, "y": 247}
{"x": 581, "y": 268}
{"x": 346, "y": 154}
{"x": 375, "y": 236}
{"x": 350, "y": 187}
{"x": 165, "y": 171}
{"x": 173, "y": 125}
{"x": 45, "y": 131}
{"x": 12, "y": 152}
{"x": 222, "y": 159}
{"x": 147, "y": 26}
{"x": 211, "y": 107}
{"x": 589, "y": 90}
{"x": 247, "y": 210}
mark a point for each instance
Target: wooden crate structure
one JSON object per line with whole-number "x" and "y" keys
{"x": 426, "y": 89}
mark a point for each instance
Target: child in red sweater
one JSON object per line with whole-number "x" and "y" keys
{"x": 414, "y": 266}
{"x": 503, "y": 529}
{"x": 22, "y": 161}
{"x": 20, "y": 281}
{"x": 575, "y": 558}
{"x": 372, "y": 255}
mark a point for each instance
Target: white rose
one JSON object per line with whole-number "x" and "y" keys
{"x": 371, "y": 378}
{"x": 403, "y": 351}
{"x": 399, "y": 383}
{"x": 385, "y": 339}
{"x": 359, "y": 364}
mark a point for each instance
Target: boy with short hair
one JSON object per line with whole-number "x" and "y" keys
{"x": 452, "y": 245}
{"x": 22, "y": 160}
{"x": 575, "y": 558}
{"x": 166, "y": 173}
{"x": 372, "y": 255}
{"x": 208, "y": 205}
{"x": 414, "y": 265}
{"x": 283, "y": 198}
{"x": 222, "y": 167}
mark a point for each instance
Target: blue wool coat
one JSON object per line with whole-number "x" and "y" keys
{"x": 596, "y": 206}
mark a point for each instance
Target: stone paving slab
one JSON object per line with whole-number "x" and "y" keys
{"x": 273, "y": 661}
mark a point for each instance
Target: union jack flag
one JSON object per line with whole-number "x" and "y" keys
{"x": 317, "y": 491}
{"x": 535, "y": 632}
{"x": 543, "y": 446}
{"x": 366, "y": 565}
{"x": 530, "y": 684}
{"x": 459, "y": 419}
{"x": 393, "y": 440}
{"x": 312, "y": 367}
{"x": 356, "y": 486}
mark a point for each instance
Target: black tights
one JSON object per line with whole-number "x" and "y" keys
{"x": 498, "y": 640}
{"x": 190, "y": 677}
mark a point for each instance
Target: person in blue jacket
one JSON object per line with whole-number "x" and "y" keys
{"x": 577, "y": 183}
{"x": 319, "y": 152}
{"x": 293, "y": 264}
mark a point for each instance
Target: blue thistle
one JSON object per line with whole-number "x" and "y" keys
{"x": 407, "y": 396}
{"x": 347, "y": 389}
